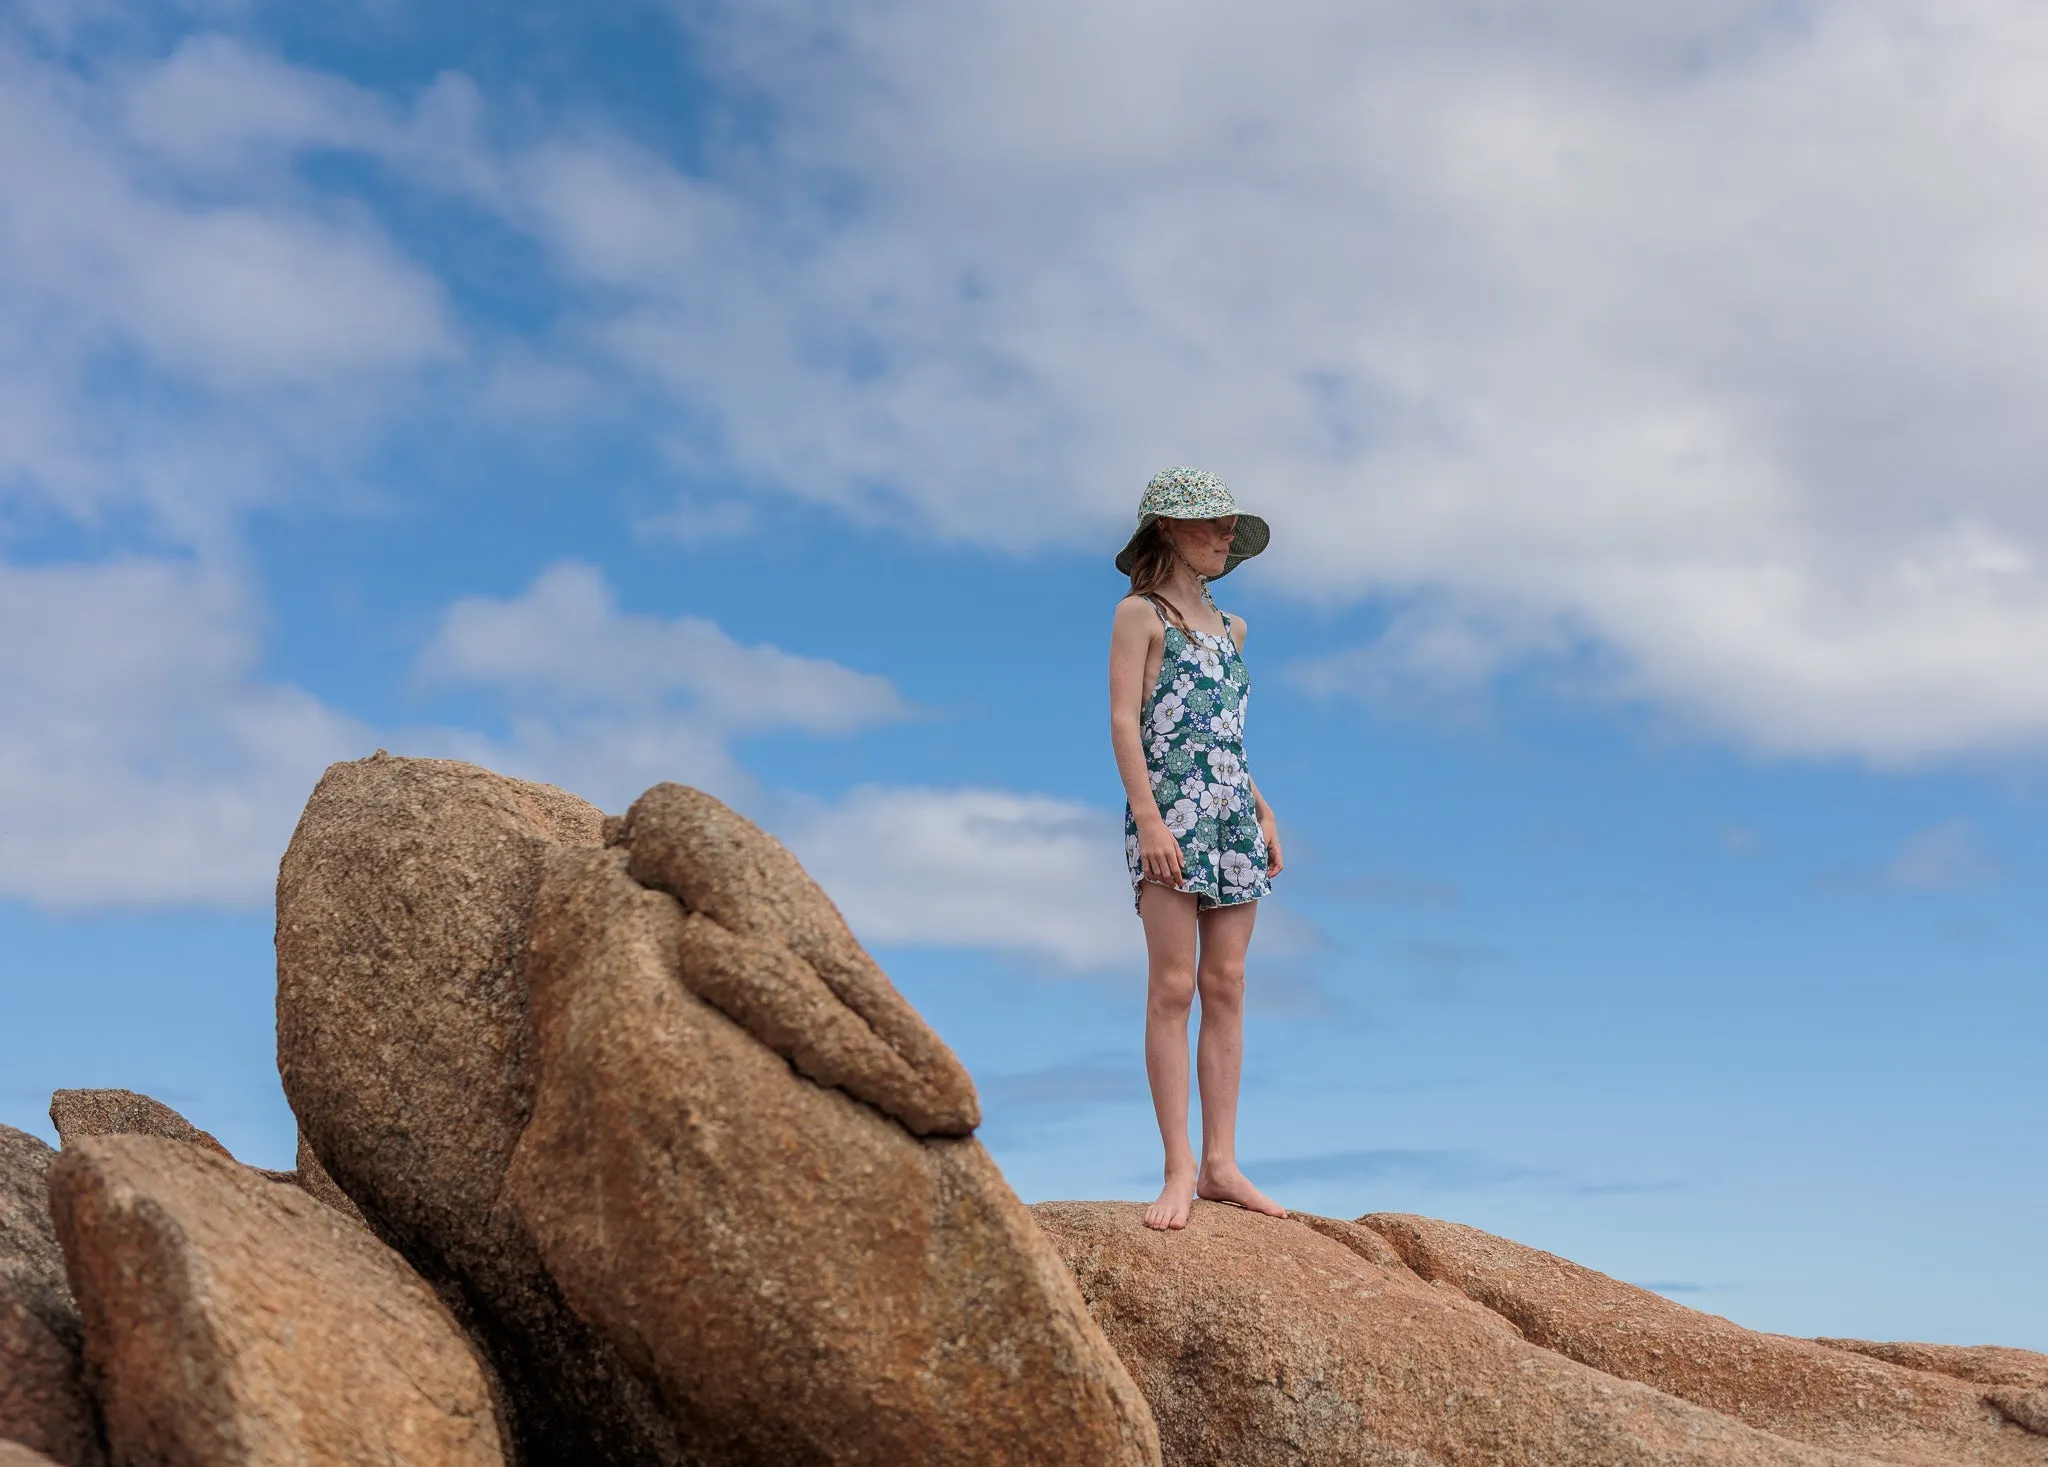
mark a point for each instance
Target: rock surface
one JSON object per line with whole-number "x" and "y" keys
{"x": 14, "y": 1454}
{"x": 1262, "y": 1340}
{"x": 1794, "y": 1388}
{"x": 402, "y": 908}
{"x": 80, "y": 1113}
{"x": 767, "y": 948}
{"x": 804, "y": 1278}
{"x": 230, "y": 1320}
{"x": 43, "y": 1400}
{"x": 1986, "y": 1364}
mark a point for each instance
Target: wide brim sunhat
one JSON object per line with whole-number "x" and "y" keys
{"x": 1182, "y": 493}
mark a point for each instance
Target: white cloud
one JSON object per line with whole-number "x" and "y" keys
{"x": 1712, "y": 333}
{"x": 608, "y": 702}
{"x": 142, "y": 758}
{"x": 975, "y": 868}
{"x": 100, "y": 255}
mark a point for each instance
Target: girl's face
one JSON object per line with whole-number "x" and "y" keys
{"x": 1205, "y": 544}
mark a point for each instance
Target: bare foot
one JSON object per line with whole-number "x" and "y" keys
{"x": 1220, "y": 1185}
{"x": 1171, "y": 1210}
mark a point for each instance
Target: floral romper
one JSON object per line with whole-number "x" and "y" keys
{"x": 1193, "y": 727}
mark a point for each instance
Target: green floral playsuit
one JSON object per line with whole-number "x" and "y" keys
{"x": 1193, "y": 726}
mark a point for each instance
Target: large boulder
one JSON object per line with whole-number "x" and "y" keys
{"x": 655, "y": 1201}
{"x": 1794, "y": 1388}
{"x": 803, "y": 1276}
{"x": 1262, "y": 1339}
{"x": 402, "y": 908}
{"x": 43, "y": 1399}
{"x": 232, "y": 1321}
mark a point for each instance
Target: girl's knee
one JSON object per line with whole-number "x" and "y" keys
{"x": 1171, "y": 992}
{"x": 1222, "y": 986}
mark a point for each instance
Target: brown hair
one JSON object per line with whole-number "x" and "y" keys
{"x": 1152, "y": 567}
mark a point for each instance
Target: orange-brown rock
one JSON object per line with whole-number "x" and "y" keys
{"x": 766, "y": 947}
{"x": 1793, "y": 1388}
{"x": 402, "y": 909}
{"x": 313, "y": 1177}
{"x": 14, "y": 1454}
{"x": 1261, "y": 1340}
{"x": 43, "y": 1399}
{"x": 231, "y": 1320}
{"x": 81, "y": 1113}
{"x": 1986, "y": 1364}
{"x": 804, "y": 1278}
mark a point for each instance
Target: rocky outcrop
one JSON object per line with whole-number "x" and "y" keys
{"x": 402, "y": 908}
{"x": 80, "y": 1113}
{"x": 1794, "y": 1388}
{"x": 1263, "y": 1340}
{"x": 713, "y": 1197}
{"x": 231, "y": 1320}
{"x": 802, "y": 1275}
{"x": 43, "y": 1400}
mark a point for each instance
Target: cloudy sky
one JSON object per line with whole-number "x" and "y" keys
{"x": 1650, "y": 658}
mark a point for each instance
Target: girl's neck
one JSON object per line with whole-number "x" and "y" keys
{"x": 1190, "y": 596}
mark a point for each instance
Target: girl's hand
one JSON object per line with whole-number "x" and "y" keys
{"x": 1159, "y": 852}
{"x": 1270, "y": 829}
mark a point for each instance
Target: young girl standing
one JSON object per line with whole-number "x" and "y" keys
{"x": 1199, "y": 836}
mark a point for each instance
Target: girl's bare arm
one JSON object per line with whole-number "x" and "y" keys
{"x": 1134, "y": 634}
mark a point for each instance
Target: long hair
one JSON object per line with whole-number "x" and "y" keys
{"x": 1152, "y": 567}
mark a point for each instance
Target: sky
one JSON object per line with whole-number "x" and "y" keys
{"x": 1648, "y": 665}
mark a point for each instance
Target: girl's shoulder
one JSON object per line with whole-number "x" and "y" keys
{"x": 1138, "y": 609}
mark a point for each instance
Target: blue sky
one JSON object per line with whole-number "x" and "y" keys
{"x": 1647, "y": 664}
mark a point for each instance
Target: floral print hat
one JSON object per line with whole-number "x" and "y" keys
{"x": 1182, "y": 493}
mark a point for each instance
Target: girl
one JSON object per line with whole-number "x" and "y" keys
{"x": 1199, "y": 837}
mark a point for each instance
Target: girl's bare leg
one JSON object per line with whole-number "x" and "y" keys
{"x": 1219, "y": 1057}
{"x": 1170, "y": 933}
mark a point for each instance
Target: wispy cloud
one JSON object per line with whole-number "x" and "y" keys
{"x": 143, "y": 757}
{"x": 1945, "y": 857}
{"x": 1948, "y": 856}
{"x": 975, "y": 868}
{"x": 1451, "y": 1170}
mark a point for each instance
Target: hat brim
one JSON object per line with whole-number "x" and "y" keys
{"x": 1251, "y": 538}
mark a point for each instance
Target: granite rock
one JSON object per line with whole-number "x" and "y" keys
{"x": 231, "y": 1321}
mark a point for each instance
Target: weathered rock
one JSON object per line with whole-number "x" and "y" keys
{"x": 804, "y": 1279}
{"x": 1793, "y": 1388}
{"x": 43, "y": 1399}
{"x": 314, "y": 1179}
{"x": 81, "y": 1113}
{"x": 1258, "y": 1340}
{"x": 1987, "y": 1364}
{"x": 2023, "y": 1408}
{"x": 14, "y": 1454}
{"x": 769, "y": 950}
{"x": 402, "y": 908}
{"x": 230, "y": 1320}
